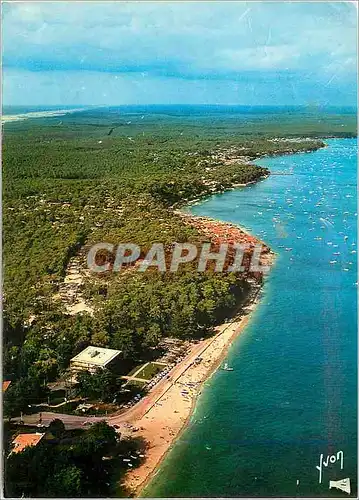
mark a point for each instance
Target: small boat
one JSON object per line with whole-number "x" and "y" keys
{"x": 288, "y": 249}
{"x": 336, "y": 253}
{"x": 333, "y": 262}
{"x": 227, "y": 368}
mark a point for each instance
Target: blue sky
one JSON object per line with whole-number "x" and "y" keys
{"x": 108, "y": 53}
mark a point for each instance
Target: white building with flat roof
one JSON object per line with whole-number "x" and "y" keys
{"x": 92, "y": 358}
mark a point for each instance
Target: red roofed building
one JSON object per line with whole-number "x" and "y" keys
{"x": 5, "y": 385}
{"x": 22, "y": 441}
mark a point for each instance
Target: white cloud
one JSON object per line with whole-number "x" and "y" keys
{"x": 180, "y": 35}
{"x": 262, "y": 57}
{"x": 185, "y": 51}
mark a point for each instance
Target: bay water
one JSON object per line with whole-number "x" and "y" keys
{"x": 260, "y": 430}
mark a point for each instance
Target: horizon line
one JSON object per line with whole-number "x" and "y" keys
{"x": 354, "y": 106}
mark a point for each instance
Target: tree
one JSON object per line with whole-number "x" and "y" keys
{"x": 22, "y": 393}
{"x": 103, "y": 437}
{"x": 95, "y": 443}
{"x": 108, "y": 384}
{"x": 100, "y": 339}
{"x": 72, "y": 467}
{"x": 57, "y": 428}
{"x": 67, "y": 482}
{"x": 124, "y": 339}
{"x": 103, "y": 384}
{"x": 86, "y": 384}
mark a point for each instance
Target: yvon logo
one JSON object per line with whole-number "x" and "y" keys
{"x": 330, "y": 459}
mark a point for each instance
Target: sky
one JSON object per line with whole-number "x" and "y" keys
{"x": 112, "y": 53}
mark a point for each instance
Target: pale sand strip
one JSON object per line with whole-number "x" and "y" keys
{"x": 161, "y": 424}
{"x": 38, "y": 114}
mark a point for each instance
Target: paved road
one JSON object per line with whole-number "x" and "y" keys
{"x": 128, "y": 416}
{"x": 136, "y": 412}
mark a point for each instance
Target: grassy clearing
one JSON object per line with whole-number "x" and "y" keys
{"x": 149, "y": 371}
{"x": 134, "y": 370}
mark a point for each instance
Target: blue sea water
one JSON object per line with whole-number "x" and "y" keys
{"x": 293, "y": 392}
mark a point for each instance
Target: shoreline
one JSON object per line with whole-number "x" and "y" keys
{"x": 245, "y": 321}
{"x": 168, "y": 415}
{"x": 38, "y": 114}
{"x": 180, "y": 206}
{"x": 138, "y": 479}
{"x": 161, "y": 416}
{"x": 239, "y": 325}
{"x": 213, "y": 353}
{"x": 211, "y": 220}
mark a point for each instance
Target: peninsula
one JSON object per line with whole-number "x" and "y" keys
{"x": 68, "y": 185}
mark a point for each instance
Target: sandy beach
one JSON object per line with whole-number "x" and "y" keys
{"x": 38, "y": 114}
{"x": 159, "y": 417}
{"x": 161, "y": 421}
{"x": 165, "y": 412}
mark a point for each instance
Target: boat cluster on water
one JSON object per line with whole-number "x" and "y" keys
{"x": 324, "y": 207}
